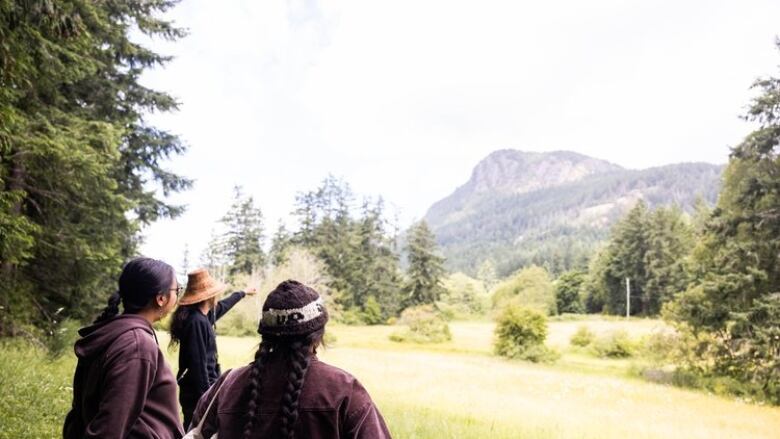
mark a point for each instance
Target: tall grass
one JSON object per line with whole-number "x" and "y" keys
{"x": 455, "y": 389}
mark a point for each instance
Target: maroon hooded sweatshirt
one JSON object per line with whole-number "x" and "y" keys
{"x": 122, "y": 387}
{"x": 332, "y": 405}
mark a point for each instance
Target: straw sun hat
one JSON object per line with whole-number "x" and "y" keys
{"x": 201, "y": 286}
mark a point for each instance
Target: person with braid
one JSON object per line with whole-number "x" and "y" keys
{"x": 286, "y": 392}
{"x": 122, "y": 386}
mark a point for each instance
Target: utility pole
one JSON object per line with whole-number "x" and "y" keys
{"x": 628, "y": 297}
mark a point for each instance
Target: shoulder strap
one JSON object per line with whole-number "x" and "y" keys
{"x": 213, "y": 398}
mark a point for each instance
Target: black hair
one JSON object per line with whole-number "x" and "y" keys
{"x": 142, "y": 280}
{"x": 177, "y": 321}
{"x": 297, "y": 352}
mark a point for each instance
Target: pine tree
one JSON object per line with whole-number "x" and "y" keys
{"x": 280, "y": 242}
{"x": 426, "y": 267}
{"x": 734, "y": 299}
{"x": 356, "y": 249}
{"x": 243, "y": 238}
{"x": 670, "y": 241}
{"x": 71, "y": 101}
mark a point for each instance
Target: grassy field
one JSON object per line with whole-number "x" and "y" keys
{"x": 453, "y": 390}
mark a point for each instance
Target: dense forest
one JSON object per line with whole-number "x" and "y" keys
{"x": 557, "y": 218}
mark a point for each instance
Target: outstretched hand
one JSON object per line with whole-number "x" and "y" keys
{"x": 250, "y": 291}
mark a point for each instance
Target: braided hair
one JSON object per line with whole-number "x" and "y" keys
{"x": 142, "y": 279}
{"x": 296, "y": 351}
{"x": 292, "y": 327}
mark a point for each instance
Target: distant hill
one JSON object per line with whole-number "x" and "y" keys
{"x": 553, "y": 208}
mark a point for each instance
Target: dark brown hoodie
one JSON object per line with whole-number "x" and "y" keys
{"x": 122, "y": 387}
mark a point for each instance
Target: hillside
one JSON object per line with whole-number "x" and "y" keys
{"x": 552, "y": 208}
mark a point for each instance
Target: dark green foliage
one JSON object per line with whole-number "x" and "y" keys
{"x": 520, "y": 333}
{"x": 567, "y": 292}
{"x": 78, "y": 163}
{"x": 648, "y": 247}
{"x": 426, "y": 270}
{"x": 424, "y": 325}
{"x": 732, "y": 307}
{"x": 358, "y": 252}
{"x": 243, "y": 238}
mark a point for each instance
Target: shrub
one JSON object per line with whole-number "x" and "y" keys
{"x": 530, "y": 287}
{"x": 352, "y": 316}
{"x": 424, "y": 325}
{"x": 520, "y": 333}
{"x": 372, "y": 312}
{"x": 616, "y": 344}
{"x": 583, "y": 337}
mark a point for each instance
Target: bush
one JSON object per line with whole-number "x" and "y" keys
{"x": 372, "y": 312}
{"x": 583, "y": 337}
{"x": 424, "y": 325}
{"x": 530, "y": 287}
{"x": 520, "y": 333}
{"x": 616, "y": 344}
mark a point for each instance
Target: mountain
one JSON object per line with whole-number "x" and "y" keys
{"x": 554, "y": 208}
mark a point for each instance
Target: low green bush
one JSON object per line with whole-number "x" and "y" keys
{"x": 616, "y": 344}
{"x": 520, "y": 333}
{"x": 583, "y": 337}
{"x": 424, "y": 324}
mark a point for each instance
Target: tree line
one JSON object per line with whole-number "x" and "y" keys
{"x": 359, "y": 247}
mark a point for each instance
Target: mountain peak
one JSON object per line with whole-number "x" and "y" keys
{"x": 552, "y": 208}
{"x": 511, "y": 171}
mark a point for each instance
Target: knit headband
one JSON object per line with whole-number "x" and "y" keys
{"x": 295, "y": 316}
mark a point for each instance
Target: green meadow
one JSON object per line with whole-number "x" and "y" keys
{"x": 456, "y": 389}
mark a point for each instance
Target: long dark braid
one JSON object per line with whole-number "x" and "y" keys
{"x": 297, "y": 352}
{"x": 111, "y": 310}
{"x": 256, "y": 386}
{"x": 300, "y": 356}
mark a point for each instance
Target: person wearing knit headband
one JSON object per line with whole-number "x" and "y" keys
{"x": 286, "y": 392}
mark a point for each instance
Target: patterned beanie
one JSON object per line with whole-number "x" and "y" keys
{"x": 292, "y": 308}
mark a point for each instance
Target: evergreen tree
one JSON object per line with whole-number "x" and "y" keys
{"x": 650, "y": 248}
{"x": 243, "y": 238}
{"x": 733, "y": 302}
{"x": 280, "y": 242}
{"x": 426, "y": 267}
{"x": 76, "y": 155}
{"x": 357, "y": 250}
{"x": 670, "y": 242}
{"x": 567, "y": 292}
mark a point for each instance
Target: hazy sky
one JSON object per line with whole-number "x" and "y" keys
{"x": 402, "y": 98}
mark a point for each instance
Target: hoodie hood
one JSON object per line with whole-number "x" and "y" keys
{"x": 96, "y": 338}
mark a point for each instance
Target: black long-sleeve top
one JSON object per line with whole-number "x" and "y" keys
{"x": 198, "y": 365}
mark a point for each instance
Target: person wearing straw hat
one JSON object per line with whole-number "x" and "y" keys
{"x": 193, "y": 327}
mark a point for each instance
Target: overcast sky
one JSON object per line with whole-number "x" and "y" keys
{"x": 402, "y": 98}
